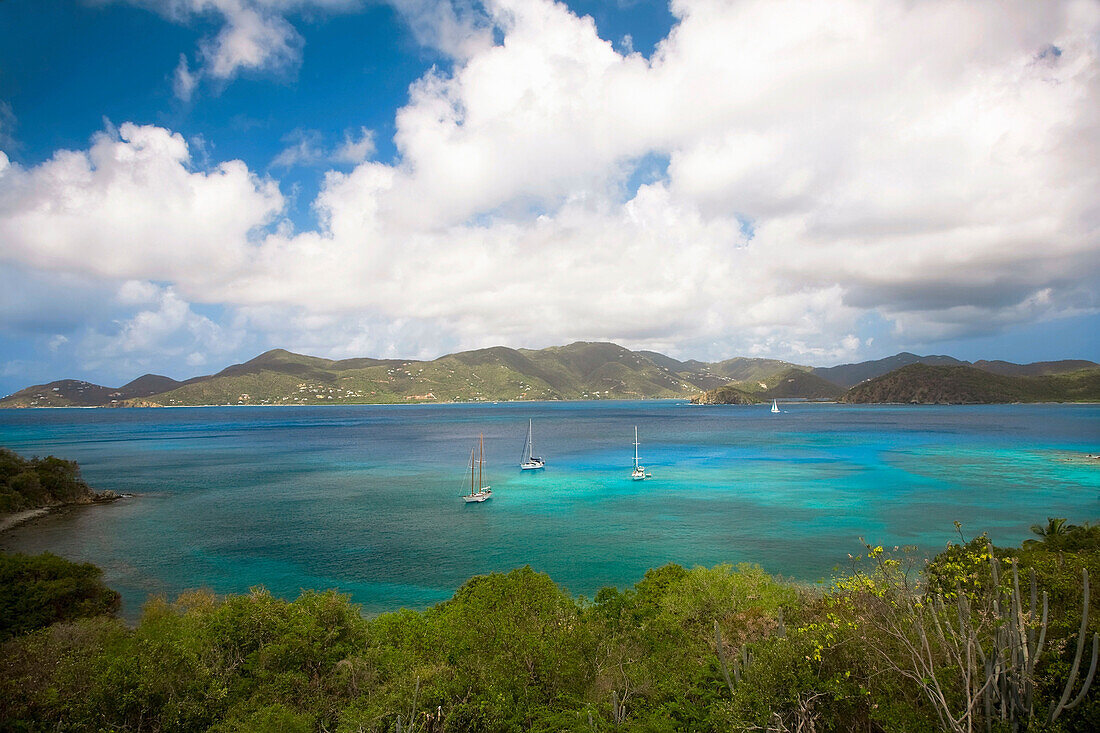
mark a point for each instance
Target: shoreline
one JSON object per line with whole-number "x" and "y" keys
{"x": 15, "y": 519}
{"x": 10, "y": 521}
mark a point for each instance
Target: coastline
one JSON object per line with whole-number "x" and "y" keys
{"x": 10, "y": 521}
{"x": 15, "y": 519}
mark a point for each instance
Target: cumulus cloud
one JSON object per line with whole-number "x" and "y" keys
{"x": 942, "y": 191}
{"x": 131, "y": 206}
{"x": 932, "y": 166}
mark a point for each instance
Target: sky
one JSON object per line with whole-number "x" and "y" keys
{"x": 187, "y": 183}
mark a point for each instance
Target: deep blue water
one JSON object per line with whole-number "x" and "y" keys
{"x": 367, "y": 499}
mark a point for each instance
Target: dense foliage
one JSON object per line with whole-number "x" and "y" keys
{"x": 26, "y": 483}
{"x": 701, "y": 649}
{"x": 36, "y": 591}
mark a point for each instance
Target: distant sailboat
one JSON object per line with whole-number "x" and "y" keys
{"x": 478, "y": 492}
{"x": 528, "y": 461}
{"x": 638, "y": 474}
{"x": 775, "y": 406}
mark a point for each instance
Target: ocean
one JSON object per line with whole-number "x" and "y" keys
{"x": 367, "y": 499}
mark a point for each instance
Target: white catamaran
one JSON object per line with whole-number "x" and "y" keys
{"x": 638, "y": 474}
{"x": 775, "y": 406}
{"x": 529, "y": 461}
{"x": 478, "y": 492}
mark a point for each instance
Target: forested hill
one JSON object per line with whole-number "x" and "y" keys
{"x": 924, "y": 384}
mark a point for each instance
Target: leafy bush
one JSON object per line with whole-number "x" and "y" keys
{"x": 36, "y": 591}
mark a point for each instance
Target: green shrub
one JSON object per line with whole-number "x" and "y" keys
{"x": 39, "y": 590}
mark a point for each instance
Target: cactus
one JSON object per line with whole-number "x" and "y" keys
{"x": 739, "y": 666}
{"x": 1003, "y": 680}
{"x": 618, "y": 708}
{"x": 995, "y": 651}
{"x": 1061, "y": 705}
{"x": 1009, "y": 691}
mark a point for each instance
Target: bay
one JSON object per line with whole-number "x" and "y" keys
{"x": 367, "y": 499}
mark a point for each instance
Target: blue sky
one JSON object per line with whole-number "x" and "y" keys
{"x": 186, "y": 183}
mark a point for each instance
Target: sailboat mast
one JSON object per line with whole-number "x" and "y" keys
{"x": 531, "y": 438}
{"x": 480, "y": 460}
{"x": 635, "y": 446}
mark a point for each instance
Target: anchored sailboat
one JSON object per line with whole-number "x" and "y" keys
{"x": 478, "y": 492}
{"x": 528, "y": 461}
{"x": 638, "y": 474}
{"x": 775, "y": 406}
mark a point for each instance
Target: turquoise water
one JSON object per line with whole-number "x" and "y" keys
{"x": 367, "y": 499}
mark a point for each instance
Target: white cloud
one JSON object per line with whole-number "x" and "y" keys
{"x": 931, "y": 164}
{"x": 356, "y": 148}
{"x": 131, "y": 207}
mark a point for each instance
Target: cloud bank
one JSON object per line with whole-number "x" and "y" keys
{"x": 931, "y": 167}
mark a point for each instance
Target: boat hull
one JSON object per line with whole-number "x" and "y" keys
{"x": 532, "y": 465}
{"x": 478, "y": 497}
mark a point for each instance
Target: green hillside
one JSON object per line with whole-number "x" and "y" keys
{"x": 578, "y": 371}
{"x": 951, "y": 385}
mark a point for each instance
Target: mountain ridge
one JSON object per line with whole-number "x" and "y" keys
{"x": 577, "y": 371}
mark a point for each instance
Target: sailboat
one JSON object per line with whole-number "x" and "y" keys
{"x": 638, "y": 474}
{"x": 478, "y": 492}
{"x": 528, "y": 461}
{"x": 775, "y": 406}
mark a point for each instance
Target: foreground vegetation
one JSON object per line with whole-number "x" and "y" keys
{"x": 963, "y": 644}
